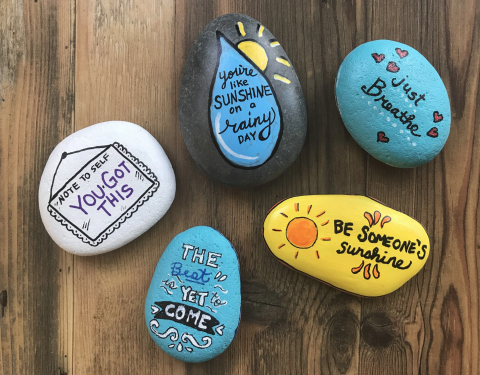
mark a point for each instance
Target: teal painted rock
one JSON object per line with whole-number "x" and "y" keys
{"x": 393, "y": 103}
{"x": 241, "y": 108}
{"x": 192, "y": 308}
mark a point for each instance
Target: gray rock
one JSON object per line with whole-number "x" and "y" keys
{"x": 242, "y": 111}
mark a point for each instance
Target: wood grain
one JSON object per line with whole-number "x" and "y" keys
{"x": 36, "y": 112}
{"x": 67, "y": 65}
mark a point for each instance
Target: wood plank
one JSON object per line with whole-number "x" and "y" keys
{"x": 431, "y": 323}
{"x": 452, "y": 285}
{"x": 124, "y": 71}
{"x": 72, "y": 65}
{"x": 36, "y": 112}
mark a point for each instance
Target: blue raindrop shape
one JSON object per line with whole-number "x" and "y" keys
{"x": 245, "y": 116}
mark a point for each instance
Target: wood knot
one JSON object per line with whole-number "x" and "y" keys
{"x": 3, "y": 301}
{"x": 378, "y": 330}
{"x": 342, "y": 336}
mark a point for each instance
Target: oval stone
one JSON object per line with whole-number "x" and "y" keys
{"x": 103, "y": 186}
{"x": 393, "y": 103}
{"x": 353, "y": 243}
{"x": 192, "y": 308}
{"x": 242, "y": 111}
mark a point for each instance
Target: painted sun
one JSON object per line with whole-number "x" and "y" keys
{"x": 301, "y": 230}
{"x": 257, "y": 54}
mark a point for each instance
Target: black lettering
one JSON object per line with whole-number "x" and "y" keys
{"x": 217, "y": 100}
{"x": 348, "y": 227}
{"x": 343, "y": 245}
{"x": 372, "y": 238}
{"x": 405, "y": 246}
{"x": 412, "y": 95}
{"x": 338, "y": 226}
{"x": 420, "y": 97}
{"x": 394, "y": 84}
{"x": 424, "y": 252}
{"x": 365, "y": 230}
{"x": 376, "y": 88}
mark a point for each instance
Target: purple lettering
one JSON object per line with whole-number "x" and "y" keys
{"x": 111, "y": 201}
{"x": 103, "y": 192}
{"x": 122, "y": 164}
{"x": 127, "y": 190}
{"x": 120, "y": 195}
{"x": 102, "y": 206}
{"x": 92, "y": 197}
{"x": 119, "y": 171}
{"x": 112, "y": 179}
{"x": 79, "y": 206}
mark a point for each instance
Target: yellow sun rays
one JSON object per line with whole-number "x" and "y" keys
{"x": 240, "y": 29}
{"x": 257, "y": 54}
{"x": 260, "y": 29}
{"x": 301, "y": 232}
{"x": 283, "y": 61}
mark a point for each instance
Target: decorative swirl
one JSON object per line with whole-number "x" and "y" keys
{"x": 166, "y": 290}
{"x": 164, "y": 335}
{"x": 188, "y": 337}
{"x": 223, "y": 290}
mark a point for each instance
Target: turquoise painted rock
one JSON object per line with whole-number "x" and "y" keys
{"x": 242, "y": 111}
{"x": 192, "y": 308}
{"x": 393, "y": 103}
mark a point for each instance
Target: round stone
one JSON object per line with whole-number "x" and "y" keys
{"x": 383, "y": 80}
{"x": 242, "y": 111}
{"x": 351, "y": 242}
{"x": 103, "y": 186}
{"x": 192, "y": 308}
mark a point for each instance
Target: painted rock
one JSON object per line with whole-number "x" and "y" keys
{"x": 242, "y": 111}
{"x": 192, "y": 308}
{"x": 393, "y": 103}
{"x": 351, "y": 242}
{"x": 103, "y": 186}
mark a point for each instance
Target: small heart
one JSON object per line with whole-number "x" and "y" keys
{"x": 437, "y": 117}
{"x": 392, "y": 67}
{"x": 382, "y": 138}
{"x": 433, "y": 132}
{"x": 378, "y": 58}
{"x": 401, "y": 52}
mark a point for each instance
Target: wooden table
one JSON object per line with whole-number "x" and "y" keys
{"x": 68, "y": 64}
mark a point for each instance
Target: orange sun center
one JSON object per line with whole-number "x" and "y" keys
{"x": 302, "y": 232}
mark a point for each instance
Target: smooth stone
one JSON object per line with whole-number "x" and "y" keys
{"x": 192, "y": 308}
{"x": 104, "y": 186}
{"x": 242, "y": 111}
{"x": 393, "y": 103}
{"x": 351, "y": 242}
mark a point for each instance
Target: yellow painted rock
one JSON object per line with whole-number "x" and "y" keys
{"x": 351, "y": 242}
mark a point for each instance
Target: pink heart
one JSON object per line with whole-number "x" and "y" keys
{"x": 392, "y": 67}
{"x": 433, "y": 132}
{"x": 382, "y": 138}
{"x": 378, "y": 58}
{"x": 401, "y": 53}
{"x": 437, "y": 117}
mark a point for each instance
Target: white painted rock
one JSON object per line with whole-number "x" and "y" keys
{"x": 104, "y": 186}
